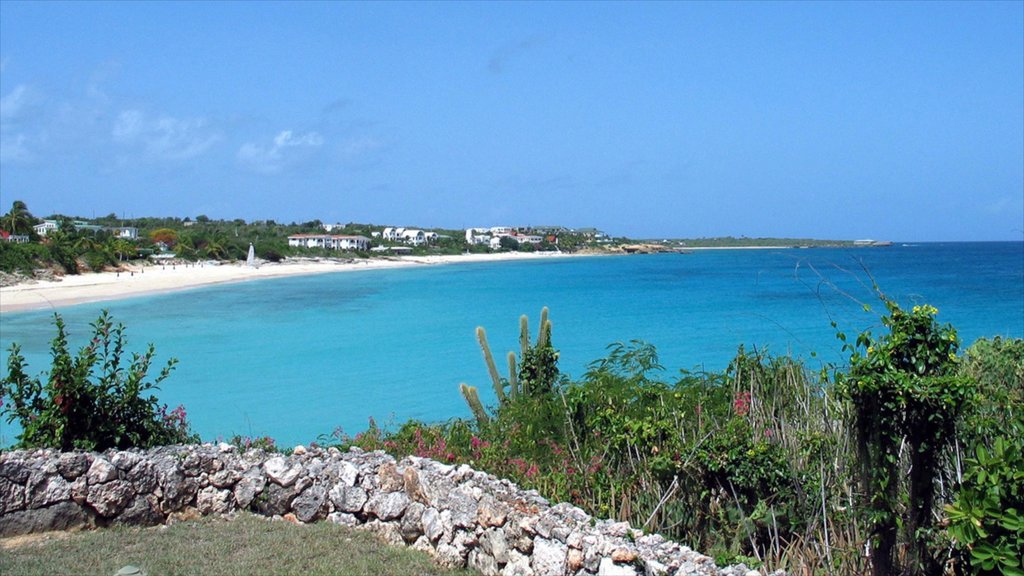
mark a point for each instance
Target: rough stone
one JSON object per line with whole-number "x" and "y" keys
{"x": 412, "y": 522}
{"x": 608, "y": 567}
{"x": 142, "y": 477}
{"x": 433, "y": 529}
{"x": 43, "y": 490}
{"x": 493, "y": 542}
{"x": 311, "y": 505}
{"x": 274, "y": 500}
{"x": 549, "y": 557}
{"x": 343, "y": 519}
{"x": 101, "y": 471}
{"x": 389, "y": 532}
{"x": 388, "y": 505}
{"x": 211, "y": 500}
{"x": 17, "y": 471}
{"x": 249, "y": 486}
{"x": 60, "y": 516}
{"x": 225, "y": 478}
{"x": 389, "y": 478}
{"x": 281, "y": 471}
{"x": 110, "y": 498}
{"x": 491, "y": 512}
{"x": 143, "y": 511}
{"x": 125, "y": 460}
{"x": 12, "y": 496}
{"x": 483, "y": 563}
{"x": 71, "y": 465}
{"x": 348, "y": 498}
{"x": 518, "y": 565}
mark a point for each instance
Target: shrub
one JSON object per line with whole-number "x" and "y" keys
{"x": 91, "y": 400}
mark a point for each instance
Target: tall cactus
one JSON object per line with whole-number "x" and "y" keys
{"x": 544, "y": 334}
{"x": 534, "y": 372}
{"x": 513, "y": 378}
{"x": 481, "y": 336}
{"x": 473, "y": 399}
{"x": 524, "y": 334}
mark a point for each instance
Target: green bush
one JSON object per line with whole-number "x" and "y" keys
{"x": 91, "y": 400}
{"x": 986, "y": 521}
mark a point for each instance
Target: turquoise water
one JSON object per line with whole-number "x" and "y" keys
{"x": 295, "y": 358}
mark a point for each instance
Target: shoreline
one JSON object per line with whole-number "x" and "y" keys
{"x": 154, "y": 279}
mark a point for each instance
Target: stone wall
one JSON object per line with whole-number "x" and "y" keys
{"x": 460, "y": 516}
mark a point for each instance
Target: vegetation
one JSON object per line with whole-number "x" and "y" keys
{"x": 79, "y": 245}
{"x": 770, "y": 463}
{"x": 247, "y": 544}
{"x": 91, "y": 400}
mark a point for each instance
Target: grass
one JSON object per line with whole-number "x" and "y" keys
{"x": 246, "y": 545}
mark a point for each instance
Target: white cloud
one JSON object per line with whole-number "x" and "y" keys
{"x": 12, "y": 104}
{"x": 164, "y": 137}
{"x": 285, "y": 148}
{"x": 14, "y": 141}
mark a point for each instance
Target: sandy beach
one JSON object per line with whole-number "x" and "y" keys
{"x": 155, "y": 279}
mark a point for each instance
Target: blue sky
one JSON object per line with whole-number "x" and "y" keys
{"x": 900, "y": 121}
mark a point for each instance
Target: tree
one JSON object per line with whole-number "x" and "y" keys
{"x": 19, "y": 220}
{"x": 904, "y": 390}
{"x": 165, "y": 235}
{"x": 509, "y": 243}
{"x": 91, "y": 400}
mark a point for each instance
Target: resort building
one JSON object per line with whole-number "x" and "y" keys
{"x": 329, "y": 242}
{"x": 127, "y": 232}
{"x": 45, "y": 227}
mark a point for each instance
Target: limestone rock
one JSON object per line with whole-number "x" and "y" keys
{"x": 12, "y": 496}
{"x": 281, "y": 471}
{"x": 388, "y": 505}
{"x": 493, "y": 542}
{"x": 311, "y": 505}
{"x": 71, "y": 465}
{"x": 43, "y": 490}
{"x": 249, "y": 486}
{"x": 610, "y": 568}
{"x": 60, "y": 516}
{"x": 101, "y": 471}
{"x": 110, "y": 498}
{"x": 483, "y": 563}
{"x": 211, "y": 500}
{"x": 348, "y": 498}
{"x": 549, "y": 557}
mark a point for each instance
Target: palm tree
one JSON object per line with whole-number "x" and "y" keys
{"x": 19, "y": 220}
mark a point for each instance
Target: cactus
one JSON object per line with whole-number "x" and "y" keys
{"x": 481, "y": 336}
{"x": 524, "y": 334}
{"x": 473, "y": 399}
{"x": 534, "y": 372}
{"x": 513, "y": 380}
{"x": 544, "y": 334}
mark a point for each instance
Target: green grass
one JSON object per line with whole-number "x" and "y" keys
{"x": 246, "y": 545}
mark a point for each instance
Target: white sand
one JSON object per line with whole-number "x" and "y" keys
{"x": 154, "y": 279}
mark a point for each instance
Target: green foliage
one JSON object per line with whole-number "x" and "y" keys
{"x": 91, "y": 400}
{"x": 534, "y": 375}
{"x": 23, "y": 258}
{"x": 904, "y": 389}
{"x": 986, "y": 521}
{"x": 759, "y": 463}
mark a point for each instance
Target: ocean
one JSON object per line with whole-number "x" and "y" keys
{"x": 303, "y": 357}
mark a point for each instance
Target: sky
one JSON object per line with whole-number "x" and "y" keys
{"x": 835, "y": 120}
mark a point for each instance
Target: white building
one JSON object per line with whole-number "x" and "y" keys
{"x": 127, "y": 232}
{"x": 329, "y": 242}
{"x": 45, "y": 227}
{"x": 413, "y": 237}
